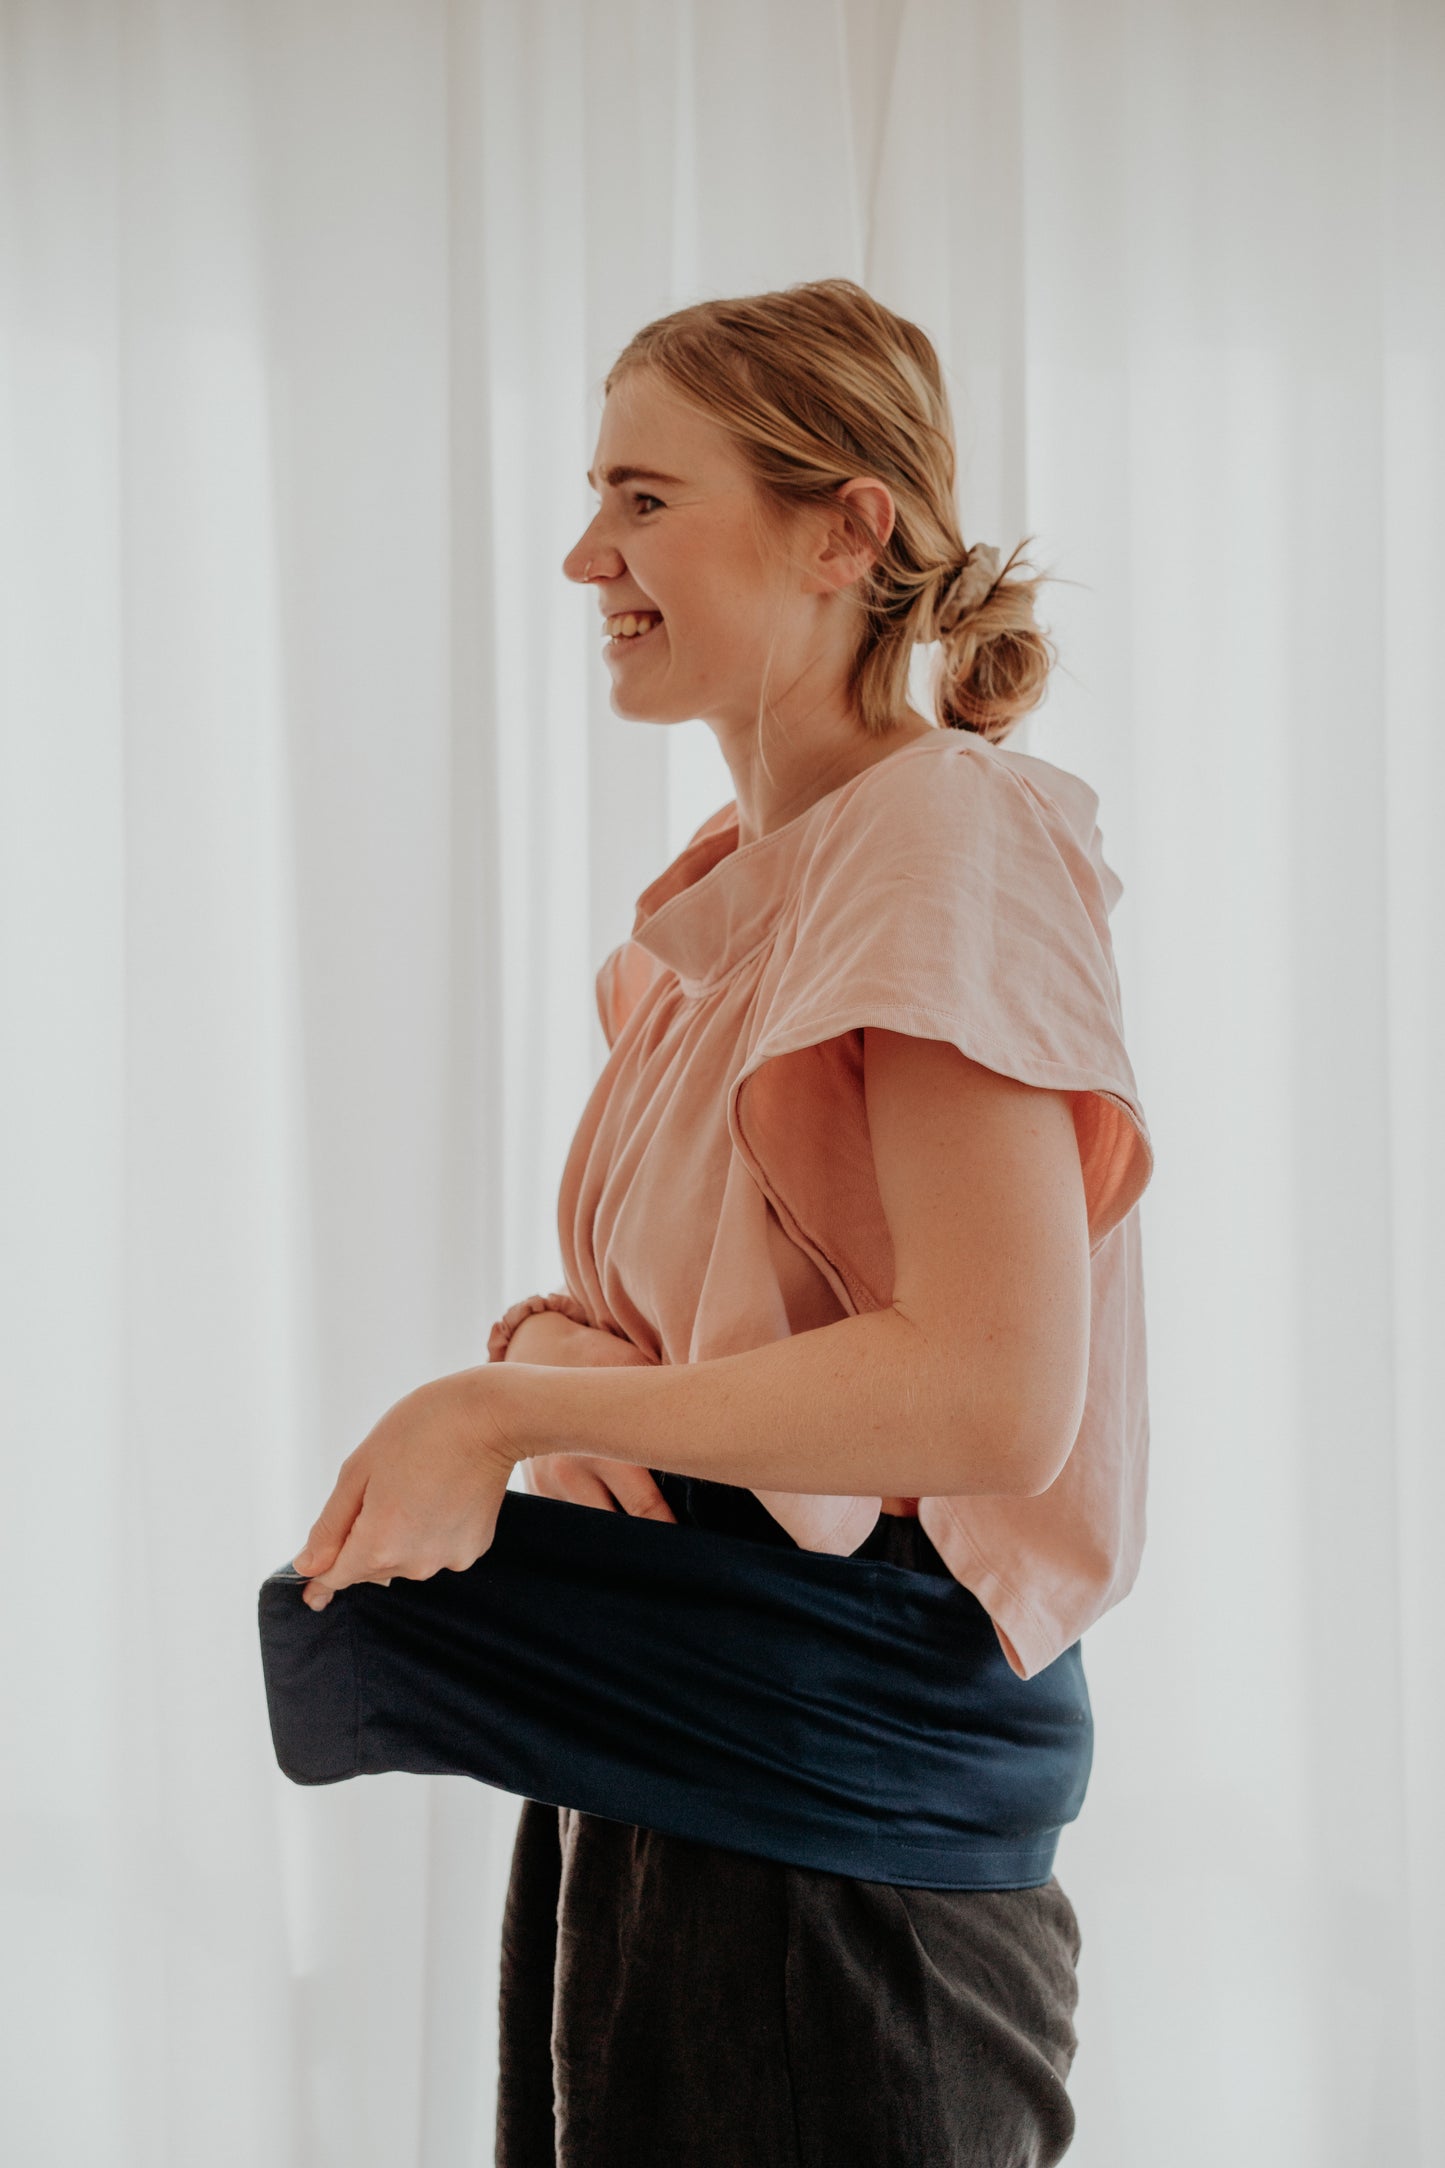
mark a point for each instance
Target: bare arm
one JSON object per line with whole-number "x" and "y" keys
{"x": 972, "y": 1380}
{"x": 584, "y": 1479}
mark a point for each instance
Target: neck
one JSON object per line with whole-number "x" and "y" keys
{"x": 780, "y": 777}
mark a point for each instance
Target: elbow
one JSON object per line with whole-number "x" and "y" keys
{"x": 1013, "y": 1468}
{"x": 1006, "y": 1427}
{"x": 1029, "y": 1439}
{"x": 1038, "y": 1468}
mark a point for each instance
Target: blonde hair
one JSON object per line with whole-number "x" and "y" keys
{"x": 818, "y": 384}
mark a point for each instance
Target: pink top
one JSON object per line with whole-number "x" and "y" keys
{"x": 719, "y": 1192}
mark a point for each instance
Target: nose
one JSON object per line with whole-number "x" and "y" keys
{"x": 590, "y": 558}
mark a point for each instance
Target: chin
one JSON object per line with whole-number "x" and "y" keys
{"x": 645, "y": 711}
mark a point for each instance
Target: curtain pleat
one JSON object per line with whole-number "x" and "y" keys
{"x": 315, "y": 823}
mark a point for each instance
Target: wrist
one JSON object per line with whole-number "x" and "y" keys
{"x": 520, "y": 1408}
{"x": 503, "y": 1414}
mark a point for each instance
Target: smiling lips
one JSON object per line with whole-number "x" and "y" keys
{"x": 631, "y": 624}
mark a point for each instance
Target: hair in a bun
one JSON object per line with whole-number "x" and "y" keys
{"x": 818, "y": 384}
{"x": 993, "y": 661}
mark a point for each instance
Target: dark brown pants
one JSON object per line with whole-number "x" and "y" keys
{"x": 665, "y": 2004}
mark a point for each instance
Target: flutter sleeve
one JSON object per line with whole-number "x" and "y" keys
{"x": 962, "y": 897}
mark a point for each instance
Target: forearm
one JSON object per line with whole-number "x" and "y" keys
{"x": 861, "y": 1407}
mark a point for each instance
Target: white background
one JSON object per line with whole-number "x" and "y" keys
{"x": 315, "y": 823}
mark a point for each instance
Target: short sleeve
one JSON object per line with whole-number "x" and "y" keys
{"x": 956, "y": 897}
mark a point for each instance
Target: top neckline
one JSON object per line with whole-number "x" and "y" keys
{"x": 717, "y": 900}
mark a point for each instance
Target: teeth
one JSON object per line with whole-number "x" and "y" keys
{"x": 630, "y": 624}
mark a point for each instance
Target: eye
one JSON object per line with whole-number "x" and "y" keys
{"x": 641, "y": 497}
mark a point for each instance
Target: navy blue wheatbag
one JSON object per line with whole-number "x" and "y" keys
{"x": 845, "y": 1714}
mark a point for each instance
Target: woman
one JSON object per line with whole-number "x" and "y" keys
{"x": 851, "y": 1250}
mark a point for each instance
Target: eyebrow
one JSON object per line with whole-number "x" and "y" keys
{"x": 616, "y": 476}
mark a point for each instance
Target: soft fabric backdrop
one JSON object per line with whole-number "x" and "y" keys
{"x": 315, "y": 823}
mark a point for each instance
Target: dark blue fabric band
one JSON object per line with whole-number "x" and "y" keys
{"x": 844, "y": 1714}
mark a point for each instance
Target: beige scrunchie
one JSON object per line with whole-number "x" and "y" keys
{"x": 969, "y": 586}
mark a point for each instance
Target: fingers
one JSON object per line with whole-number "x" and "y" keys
{"x": 567, "y": 1477}
{"x": 419, "y": 1494}
{"x": 321, "y": 1587}
{"x": 353, "y": 1541}
{"x": 637, "y": 1493}
{"x": 318, "y": 1554}
{"x": 585, "y": 1479}
{"x": 356, "y": 1563}
{"x": 353, "y": 1564}
{"x": 376, "y": 1548}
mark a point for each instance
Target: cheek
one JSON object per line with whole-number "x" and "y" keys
{"x": 712, "y": 579}
{"x": 707, "y": 586}
{"x": 704, "y": 636}
{"x": 717, "y": 611}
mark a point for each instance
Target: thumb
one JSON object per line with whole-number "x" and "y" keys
{"x": 319, "y": 1553}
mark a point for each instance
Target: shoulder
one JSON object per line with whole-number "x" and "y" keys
{"x": 950, "y": 776}
{"x": 960, "y": 895}
{"x": 967, "y": 813}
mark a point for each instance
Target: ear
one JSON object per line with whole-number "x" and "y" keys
{"x": 838, "y": 558}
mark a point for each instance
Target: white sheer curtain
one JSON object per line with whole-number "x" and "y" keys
{"x": 315, "y": 822}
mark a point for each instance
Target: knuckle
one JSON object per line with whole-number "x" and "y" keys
{"x": 369, "y": 1567}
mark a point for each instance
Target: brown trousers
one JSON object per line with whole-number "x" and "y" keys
{"x": 665, "y": 2004}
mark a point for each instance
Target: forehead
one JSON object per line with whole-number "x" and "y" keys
{"x": 647, "y": 425}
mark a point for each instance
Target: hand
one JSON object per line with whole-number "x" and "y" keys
{"x": 585, "y": 1479}
{"x": 421, "y": 1492}
{"x": 559, "y": 1342}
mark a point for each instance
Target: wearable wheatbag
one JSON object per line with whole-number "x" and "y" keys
{"x": 837, "y": 1713}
